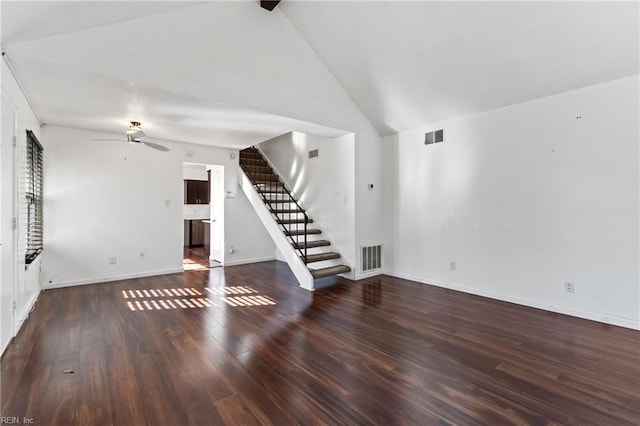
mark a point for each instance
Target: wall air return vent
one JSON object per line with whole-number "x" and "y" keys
{"x": 434, "y": 137}
{"x": 313, "y": 153}
{"x": 371, "y": 258}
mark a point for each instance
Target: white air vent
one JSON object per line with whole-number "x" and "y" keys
{"x": 313, "y": 153}
{"x": 371, "y": 258}
{"x": 434, "y": 137}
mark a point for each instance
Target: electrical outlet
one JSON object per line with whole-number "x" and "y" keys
{"x": 142, "y": 255}
{"x": 453, "y": 265}
{"x": 568, "y": 286}
{"x": 113, "y": 260}
{"x": 167, "y": 203}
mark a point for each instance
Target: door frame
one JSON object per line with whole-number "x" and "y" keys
{"x": 216, "y": 207}
{"x": 9, "y": 213}
{"x": 217, "y": 198}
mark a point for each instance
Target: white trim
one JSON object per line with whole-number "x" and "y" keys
{"x": 5, "y": 56}
{"x": 85, "y": 281}
{"x": 20, "y": 320}
{"x": 593, "y": 316}
{"x": 27, "y": 309}
{"x": 369, "y": 274}
{"x": 247, "y": 261}
{"x": 351, "y": 275}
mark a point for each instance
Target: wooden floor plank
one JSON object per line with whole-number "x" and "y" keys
{"x": 246, "y": 345}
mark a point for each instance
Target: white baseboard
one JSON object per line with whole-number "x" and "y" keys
{"x": 369, "y": 274}
{"x": 593, "y": 316}
{"x": 351, "y": 276}
{"x": 120, "y": 277}
{"x": 247, "y": 261}
{"x": 25, "y": 312}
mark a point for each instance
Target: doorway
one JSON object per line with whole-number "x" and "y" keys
{"x": 203, "y": 216}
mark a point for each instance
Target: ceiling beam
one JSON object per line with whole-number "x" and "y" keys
{"x": 269, "y": 5}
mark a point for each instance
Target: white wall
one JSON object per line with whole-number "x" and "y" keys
{"x": 26, "y": 280}
{"x": 324, "y": 185}
{"x": 105, "y": 199}
{"x": 525, "y": 198}
{"x": 194, "y": 172}
{"x": 249, "y": 239}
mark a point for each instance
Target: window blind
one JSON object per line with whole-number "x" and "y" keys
{"x": 33, "y": 194}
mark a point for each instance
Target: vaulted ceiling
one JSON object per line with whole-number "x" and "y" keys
{"x": 233, "y": 74}
{"x": 408, "y": 64}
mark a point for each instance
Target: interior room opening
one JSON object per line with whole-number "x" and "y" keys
{"x": 203, "y": 216}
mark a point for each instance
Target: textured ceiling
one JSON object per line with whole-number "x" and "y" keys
{"x": 205, "y": 72}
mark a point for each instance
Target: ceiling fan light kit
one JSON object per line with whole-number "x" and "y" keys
{"x": 135, "y": 135}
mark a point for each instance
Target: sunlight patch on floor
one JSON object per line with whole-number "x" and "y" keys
{"x": 162, "y": 292}
{"x": 231, "y": 290}
{"x": 189, "y": 265}
{"x": 162, "y": 304}
{"x": 249, "y": 301}
{"x": 191, "y": 298}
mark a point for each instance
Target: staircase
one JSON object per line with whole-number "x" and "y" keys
{"x": 294, "y": 222}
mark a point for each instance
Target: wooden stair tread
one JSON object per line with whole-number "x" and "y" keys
{"x": 272, "y": 190}
{"x": 294, "y": 221}
{"x": 320, "y": 257}
{"x": 301, "y": 232}
{"x": 312, "y": 244}
{"x": 287, "y": 211}
{"x": 277, "y": 184}
{"x": 330, "y": 271}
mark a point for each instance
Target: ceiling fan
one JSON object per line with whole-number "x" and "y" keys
{"x": 135, "y": 135}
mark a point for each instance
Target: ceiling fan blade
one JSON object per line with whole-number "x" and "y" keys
{"x": 116, "y": 140}
{"x": 156, "y": 146}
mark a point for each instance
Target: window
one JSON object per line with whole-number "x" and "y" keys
{"x": 33, "y": 194}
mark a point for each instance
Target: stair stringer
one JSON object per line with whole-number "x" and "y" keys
{"x": 296, "y": 264}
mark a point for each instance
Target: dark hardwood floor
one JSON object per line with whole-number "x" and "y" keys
{"x": 245, "y": 345}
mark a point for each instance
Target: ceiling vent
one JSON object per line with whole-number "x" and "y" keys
{"x": 434, "y": 137}
{"x": 313, "y": 153}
